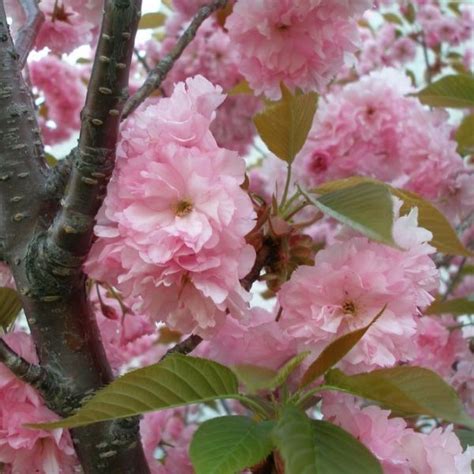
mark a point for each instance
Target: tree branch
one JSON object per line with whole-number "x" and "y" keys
{"x": 158, "y": 74}
{"x": 73, "y": 228}
{"x": 185, "y": 347}
{"x": 26, "y": 36}
{"x": 30, "y": 373}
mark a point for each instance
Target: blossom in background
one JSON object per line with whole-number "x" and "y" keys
{"x": 371, "y": 128}
{"x": 172, "y": 228}
{"x": 64, "y": 28}
{"x": 22, "y": 449}
{"x": 400, "y": 449}
{"x": 60, "y": 85}
{"x": 302, "y": 43}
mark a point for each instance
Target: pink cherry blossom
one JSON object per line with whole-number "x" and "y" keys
{"x": 22, "y": 449}
{"x": 301, "y": 43}
{"x": 349, "y": 285}
{"x": 370, "y": 128}
{"x": 173, "y": 224}
{"x": 6, "y": 278}
{"x": 167, "y": 430}
{"x": 400, "y": 449}
{"x": 259, "y": 340}
{"x": 63, "y": 92}
{"x": 64, "y": 29}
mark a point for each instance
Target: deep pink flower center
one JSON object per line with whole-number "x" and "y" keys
{"x": 349, "y": 307}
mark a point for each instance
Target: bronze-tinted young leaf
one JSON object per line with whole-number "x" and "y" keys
{"x": 444, "y": 239}
{"x": 334, "y": 352}
{"x": 465, "y": 135}
{"x": 176, "y": 381}
{"x": 455, "y": 91}
{"x": 151, "y": 20}
{"x": 229, "y": 444}
{"x": 284, "y": 125}
{"x": 455, "y": 307}
{"x": 366, "y": 207}
{"x": 308, "y": 447}
{"x": 10, "y": 306}
{"x": 241, "y": 88}
{"x": 413, "y": 390}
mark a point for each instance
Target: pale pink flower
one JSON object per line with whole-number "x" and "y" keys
{"x": 400, "y": 449}
{"x": 349, "y": 285}
{"x": 60, "y": 85}
{"x": 22, "y": 449}
{"x": 438, "y": 347}
{"x": 302, "y": 43}
{"x": 64, "y": 29}
{"x": 6, "y": 278}
{"x": 173, "y": 224}
{"x": 259, "y": 340}
{"x": 370, "y": 128}
{"x": 167, "y": 431}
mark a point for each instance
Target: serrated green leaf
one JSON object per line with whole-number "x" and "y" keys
{"x": 454, "y": 91}
{"x": 465, "y": 135}
{"x": 340, "y": 453}
{"x": 229, "y": 444}
{"x": 10, "y": 307}
{"x": 151, "y": 20}
{"x": 366, "y": 207}
{"x": 284, "y": 125}
{"x": 317, "y": 447}
{"x": 176, "y": 381}
{"x": 295, "y": 438}
{"x": 334, "y": 352}
{"x": 455, "y": 307}
{"x": 444, "y": 239}
{"x": 413, "y": 390}
{"x": 289, "y": 368}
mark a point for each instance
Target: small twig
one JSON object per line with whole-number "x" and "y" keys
{"x": 427, "y": 61}
{"x": 30, "y": 373}
{"x": 142, "y": 60}
{"x": 26, "y": 36}
{"x": 454, "y": 280}
{"x": 160, "y": 71}
{"x": 184, "y": 347}
{"x": 262, "y": 259}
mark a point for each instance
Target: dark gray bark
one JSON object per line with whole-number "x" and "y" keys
{"x": 46, "y": 245}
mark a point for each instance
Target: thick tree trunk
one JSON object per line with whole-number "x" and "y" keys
{"x": 45, "y": 252}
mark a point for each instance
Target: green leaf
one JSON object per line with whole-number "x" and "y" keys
{"x": 334, "y": 352}
{"x": 10, "y": 306}
{"x": 318, "y": 447}
{"x": 456, "y": 307}
{"x": 366, "y": 207}
{"x": 230, "y": 444}
{"x": 241, "y": 88}
{"x": 410, "y": 13}
{"x": 151, "y": 20}
{"x": 466, "y": 437}
{"x": 176, "y": 381}
{"x": 413, "y": 390}
{"x": 340, "y": 453}
{"x": 284, "y": 125}
{"x": 455, "y": 91}
{"x": 255, "y": 378}
{"x": 444, "y": 239}
{"x": 392, "y": 18}
{"x": 295, "y": 438}
{"x": 465, "y": 135}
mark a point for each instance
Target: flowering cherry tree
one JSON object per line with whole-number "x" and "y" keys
{"x": 257, "y": 257}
